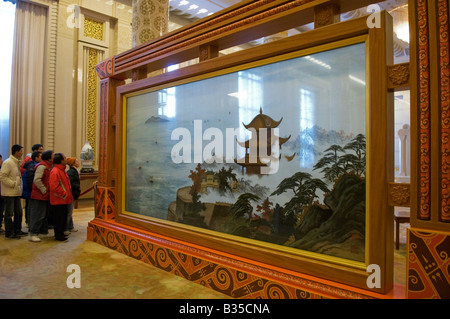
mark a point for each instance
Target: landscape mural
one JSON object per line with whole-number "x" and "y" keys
{"x": 274, "y": 153}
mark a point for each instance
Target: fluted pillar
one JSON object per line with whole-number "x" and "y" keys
{"x": 150, "y": 20}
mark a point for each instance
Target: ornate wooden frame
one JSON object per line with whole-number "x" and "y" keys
{"x": 238, "y": 24}
{"x": 345, "y": 271}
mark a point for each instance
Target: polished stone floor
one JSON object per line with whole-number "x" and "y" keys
{"x": 40, "y": 270}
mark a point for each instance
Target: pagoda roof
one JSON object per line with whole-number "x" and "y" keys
{"x": 262, "y": 121}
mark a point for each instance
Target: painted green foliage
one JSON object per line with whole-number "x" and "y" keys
{"x": 335, "y": 227}
{"x": 303, "y": 221}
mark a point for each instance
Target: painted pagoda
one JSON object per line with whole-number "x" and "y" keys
{"x": 250, "y": 164}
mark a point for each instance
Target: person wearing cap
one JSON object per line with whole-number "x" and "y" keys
{"x": 35, "y": 148}
{"x": 74, "y": 177}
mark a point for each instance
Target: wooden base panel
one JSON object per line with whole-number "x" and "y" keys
{"x": 105, "y": 203}
{"x": 231, "y": 275}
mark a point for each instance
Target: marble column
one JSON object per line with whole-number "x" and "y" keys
{"x": 150, "y": 20}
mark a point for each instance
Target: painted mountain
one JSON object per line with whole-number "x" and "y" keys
{"x": 221, "y": 201}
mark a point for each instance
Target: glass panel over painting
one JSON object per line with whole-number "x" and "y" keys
{"x": 275, "y": 153}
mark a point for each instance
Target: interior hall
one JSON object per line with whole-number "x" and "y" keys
{"x": 255, "y": 149}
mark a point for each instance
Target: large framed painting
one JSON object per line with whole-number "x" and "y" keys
{"x": 269, "y": 159}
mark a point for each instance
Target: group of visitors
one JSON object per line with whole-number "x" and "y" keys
{"x": 48, "y": 189}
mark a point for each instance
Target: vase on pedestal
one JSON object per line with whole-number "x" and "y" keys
{"x": 87, "y": 158}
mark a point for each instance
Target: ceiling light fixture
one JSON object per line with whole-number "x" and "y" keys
{"x": 354, "y": 78}
{"x": 238, "y": 95}
{"x": 318, "y": 62}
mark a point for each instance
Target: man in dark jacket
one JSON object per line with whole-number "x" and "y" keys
{"x": 27, "y": 180}
{"x": 74, "y": 177}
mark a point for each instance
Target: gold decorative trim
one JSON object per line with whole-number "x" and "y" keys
{"x": 92, "y": 98}
{"x": 93, "y": 29}
{"x": 49, "y": 141}
{"x": 399, "y": 194}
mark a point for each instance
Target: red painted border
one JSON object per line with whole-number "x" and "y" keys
{"x": 424, "y": 110}
{"x": 231, "y": 275}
